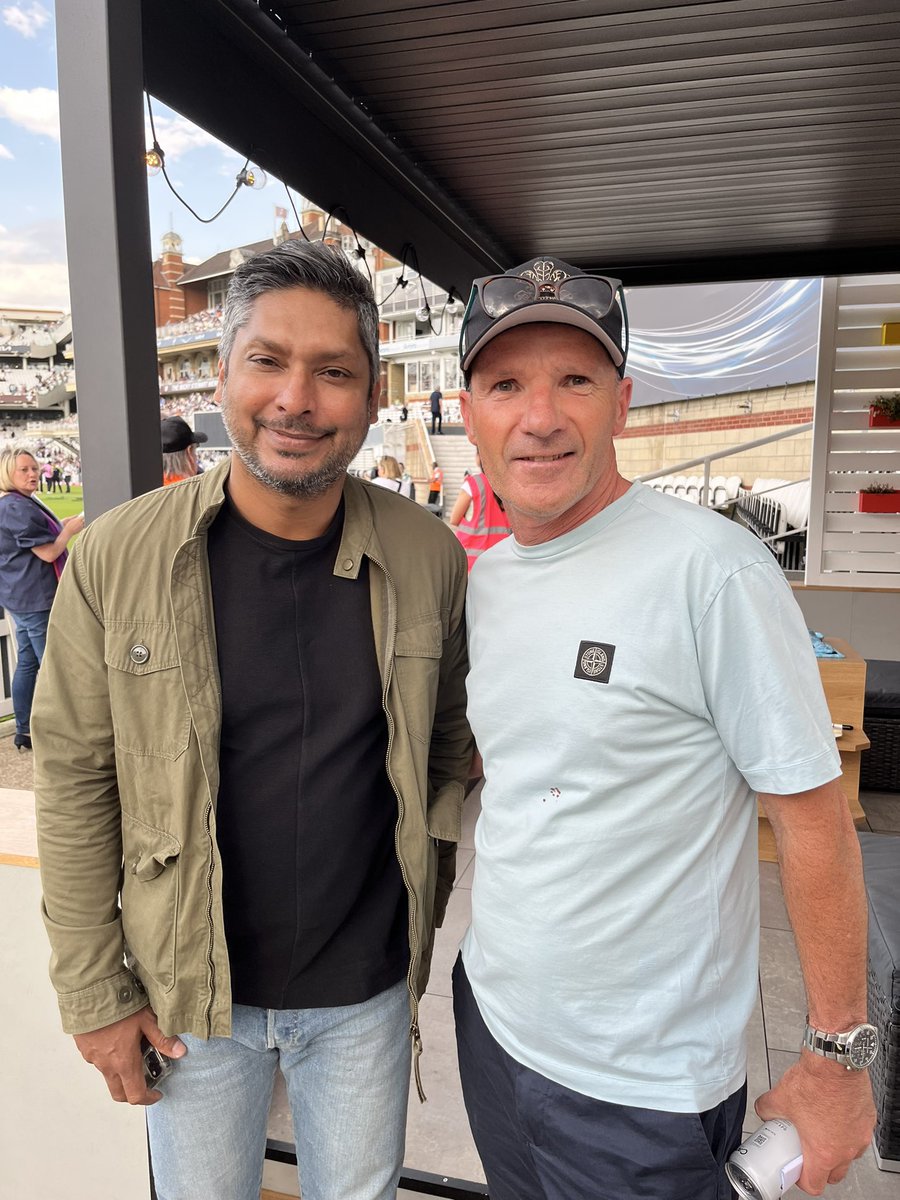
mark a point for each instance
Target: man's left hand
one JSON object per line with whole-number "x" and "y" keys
{"x": 833, "y": 1111}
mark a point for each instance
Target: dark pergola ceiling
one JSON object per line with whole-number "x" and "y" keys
{"x": 663, "y": 142}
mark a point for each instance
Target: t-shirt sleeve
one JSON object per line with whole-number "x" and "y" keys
{"x": 467, "y": 488}
{"x": 28, "y": 526}
{"x": 762, "y": 684}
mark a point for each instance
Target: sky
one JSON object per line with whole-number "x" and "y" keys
{"x": 32, "y": 227}
{"x": 701, "y": 340}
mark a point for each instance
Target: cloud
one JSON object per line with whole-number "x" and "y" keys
{"x": 34, "y": 266}
{"x": 26, "y": 20}
{"x": 33, "y": 109}
{"x": 177, "y": 136}
{"x": 5, "y": 153}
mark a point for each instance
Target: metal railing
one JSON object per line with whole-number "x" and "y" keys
{"x": 707, "y": 459}
{"x": 788, "y": 545}
{"x": 7, "y": 663}
{"x": 421, "y": 1183}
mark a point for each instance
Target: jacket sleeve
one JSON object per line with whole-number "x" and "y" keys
{"x": 452, "y": 745}
{"x": 78, "y": 814}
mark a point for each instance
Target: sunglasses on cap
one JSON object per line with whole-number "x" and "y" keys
{"x": 495, "y": 300}
{"x": 500, "y": 294}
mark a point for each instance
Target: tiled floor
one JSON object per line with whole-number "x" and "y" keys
{"x": 438, "y": 1138}
{"x": 438, "y": 1135}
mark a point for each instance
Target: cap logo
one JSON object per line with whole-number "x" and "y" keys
{"x": 545, "y": 271}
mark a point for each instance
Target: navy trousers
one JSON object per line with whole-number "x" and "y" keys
{"x": 540, "y": 1141}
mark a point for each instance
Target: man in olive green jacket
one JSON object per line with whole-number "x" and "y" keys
{"x": 250, "y": 750}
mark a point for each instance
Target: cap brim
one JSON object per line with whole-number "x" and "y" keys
{"x": 546, "y": 314}
{"x": 200, "y": 437}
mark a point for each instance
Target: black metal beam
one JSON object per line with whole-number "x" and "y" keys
{"x": 108, "y": 245}
{"x": 227, "y": 66}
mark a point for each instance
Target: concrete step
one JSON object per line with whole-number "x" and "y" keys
{"x": 455, "y": 455}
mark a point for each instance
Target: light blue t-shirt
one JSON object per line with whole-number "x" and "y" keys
{"x": 633, "y": 684}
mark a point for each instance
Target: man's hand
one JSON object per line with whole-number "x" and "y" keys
{"x": 833, "y": 1111}
{"x": 115, "y": 1050}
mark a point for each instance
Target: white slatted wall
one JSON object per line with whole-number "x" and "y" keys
{"x": 846, "y": 548}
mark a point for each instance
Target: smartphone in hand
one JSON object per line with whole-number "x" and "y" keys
{"x": 156, "y": 1065}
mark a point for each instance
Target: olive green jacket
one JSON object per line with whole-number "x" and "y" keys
{"x": 126, "y": 726}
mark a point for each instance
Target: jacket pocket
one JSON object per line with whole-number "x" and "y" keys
{"x": 417, "y": 665}
{"x": 150, "y": 890}
{"x": 150, "y": 713}
{"x": 444, "y": 817}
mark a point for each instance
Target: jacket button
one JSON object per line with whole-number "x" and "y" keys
{"x": 139, "y": 654}
{"x": 347, "y": 564}
{"x": 125, "y": 994}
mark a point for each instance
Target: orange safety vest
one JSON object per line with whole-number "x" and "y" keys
{"x": 437, "y": 478}
{"x": 488, "y": 523}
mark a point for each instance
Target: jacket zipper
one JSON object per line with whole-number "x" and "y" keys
{"x": 210, "y": 960}
{"x": 209, "y": 917}
{"x": 413, "y": 935}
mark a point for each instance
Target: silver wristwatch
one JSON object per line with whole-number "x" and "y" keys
{"x": 856, "y": 1049}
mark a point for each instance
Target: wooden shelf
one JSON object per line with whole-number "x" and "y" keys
{"x": 852, "y": 739}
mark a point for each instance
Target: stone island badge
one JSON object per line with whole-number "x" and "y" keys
{"x": 594, "y": 661}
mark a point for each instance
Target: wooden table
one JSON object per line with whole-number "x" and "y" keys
{"x": 844, "y": 683}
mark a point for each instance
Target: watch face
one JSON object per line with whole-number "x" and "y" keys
{"x": 863, "y": 1046}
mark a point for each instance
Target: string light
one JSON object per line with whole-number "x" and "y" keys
{"x": 255, "y": 178}
{"x": 154, "y": 157}
{"x": 153, "y": 160}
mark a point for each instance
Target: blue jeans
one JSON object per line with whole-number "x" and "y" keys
{"x": 347, "y": 1076}
{"x": 31, "y": 638}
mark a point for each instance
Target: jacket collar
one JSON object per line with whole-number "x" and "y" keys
{"x": 211, "y": 489}
{"x": 359, "y": 528}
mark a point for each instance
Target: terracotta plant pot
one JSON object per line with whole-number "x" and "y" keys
{"x": 879, "y": 502}
{"x": 880, "y": 420}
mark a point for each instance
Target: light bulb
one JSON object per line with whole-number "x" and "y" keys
{"x": 423, "y": 315}
{"x": 153, "y": 160}
{"x": 252, "y": 177}
{"x": 452, "y": 306}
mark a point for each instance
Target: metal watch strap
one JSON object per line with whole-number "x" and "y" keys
{"x": 844, "y": 1048}
{"x": 825, "y": 1044}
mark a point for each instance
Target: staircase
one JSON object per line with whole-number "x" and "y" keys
{"x": 455, "y": 455}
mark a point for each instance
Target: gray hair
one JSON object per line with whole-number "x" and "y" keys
{"x": 180, "y": 462}
{"x": 314, "y": 265}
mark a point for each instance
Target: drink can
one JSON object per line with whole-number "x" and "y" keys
{"x": 767, "y": 1163}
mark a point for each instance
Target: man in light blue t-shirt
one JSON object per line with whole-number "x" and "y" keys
{"x": 640, "y": 674}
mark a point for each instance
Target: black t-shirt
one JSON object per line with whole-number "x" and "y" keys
{"x": 314, "y": 902}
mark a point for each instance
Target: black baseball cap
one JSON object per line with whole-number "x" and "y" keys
{"x": 545, "y": 289}
{"x": 177, "y": 435}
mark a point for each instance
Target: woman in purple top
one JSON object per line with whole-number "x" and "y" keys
{"x": 32, "y": 554}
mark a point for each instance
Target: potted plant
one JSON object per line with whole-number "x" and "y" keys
{"x": 884, "y": 410}
{"x": 879, "y": 498}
